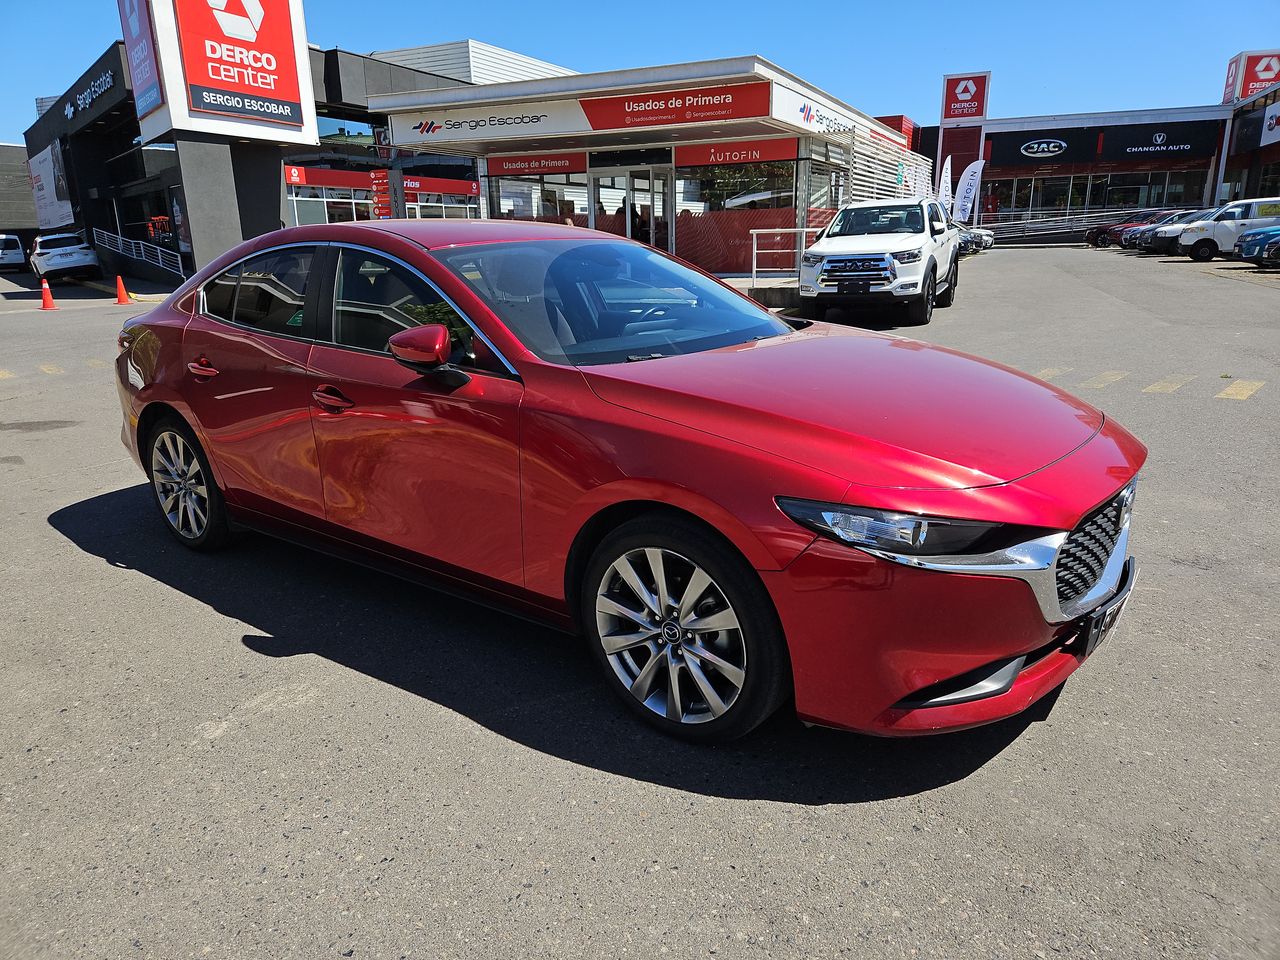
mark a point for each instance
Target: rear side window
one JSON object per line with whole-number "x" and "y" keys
{"x": 220, "y": 295}
{"x": 272, "y": 291}
{"x": 1268, "y": 210}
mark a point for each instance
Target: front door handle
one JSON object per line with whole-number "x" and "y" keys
{"x": 330, "y": 398}
{"x": 200, "y": 367}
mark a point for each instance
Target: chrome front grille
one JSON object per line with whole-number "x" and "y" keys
{"x": 1089, "y": 546}
{"x": 877, "y": 268}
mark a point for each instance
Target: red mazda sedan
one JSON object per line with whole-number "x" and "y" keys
{"x": 738, "y": 510}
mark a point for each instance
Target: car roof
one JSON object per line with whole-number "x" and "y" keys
{"x": 434, "y": 233}
{"x": 58, "y": 236}
{"x": 882, "y": 201}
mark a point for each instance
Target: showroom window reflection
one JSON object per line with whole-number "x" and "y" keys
{"x": 1099, "y": 191}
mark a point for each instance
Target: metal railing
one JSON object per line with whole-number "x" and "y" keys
{"x": 756, "y": 250}
{"x": 138, "y": 250}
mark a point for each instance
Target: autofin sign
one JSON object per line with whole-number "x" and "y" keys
{"x": 967, "y": 191}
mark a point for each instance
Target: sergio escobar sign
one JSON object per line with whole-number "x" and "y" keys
{"x": 240, "y": 64}
{"x": 656, "y": 109}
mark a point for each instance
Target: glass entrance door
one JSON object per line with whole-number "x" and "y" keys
{"x": 634, "y": 204}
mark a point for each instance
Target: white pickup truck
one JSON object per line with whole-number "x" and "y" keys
{"x": 883, "y": 251}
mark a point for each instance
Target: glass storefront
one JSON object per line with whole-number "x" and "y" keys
{"x": 718, "y": 206}
{"x": 1099, "y": 191}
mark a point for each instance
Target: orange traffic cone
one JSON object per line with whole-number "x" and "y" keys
{"x": 46, "y": 297}
{"x": 122, "y": 295}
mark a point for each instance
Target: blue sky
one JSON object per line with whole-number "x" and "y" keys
{"x": 1066, "y": 57}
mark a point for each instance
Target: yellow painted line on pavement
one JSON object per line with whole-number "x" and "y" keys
{"x": 51, "y": 369}
{"x": 95, "y": 362}
{"x": 1241, "y": 390}
{"x": 1105, "y": 379}
{"x": 1048, "y": 373}
{"x": 5, "y": 374}
{"x": 1169, "y": 384}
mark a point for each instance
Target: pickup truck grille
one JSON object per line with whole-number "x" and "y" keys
{"x": 878, "y": 268}
{"x": 1088, "y": 547}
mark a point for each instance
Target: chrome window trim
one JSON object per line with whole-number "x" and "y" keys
{"x": 1035, "y": 562}
{"x": 342, "y": 244}
{"x": 200, "y": 301}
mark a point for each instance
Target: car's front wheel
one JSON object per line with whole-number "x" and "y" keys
{"x": 920, "y": 310}
{"x": 684, "y": 630}
{"x": 183, "y": 486}
{"x": 1203, "y": 250}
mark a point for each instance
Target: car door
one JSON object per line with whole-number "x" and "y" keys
{"x": 408, "y": 459}
{"x": 947, "y": 241}
{"x": 1230, "y": 223}
{"x": 246, "y": 380}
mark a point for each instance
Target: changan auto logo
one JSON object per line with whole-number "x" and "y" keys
{"x": 1158, "y": 139}
{"x": 1268, "y": 68}
{"x": 239, "y": 26}
{"x": 966, "y": 89}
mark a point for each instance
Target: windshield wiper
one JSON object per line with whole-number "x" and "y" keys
{"x": 637, "y": 357}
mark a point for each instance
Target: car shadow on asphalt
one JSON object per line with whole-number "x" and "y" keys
{"x": 531, "y": 684}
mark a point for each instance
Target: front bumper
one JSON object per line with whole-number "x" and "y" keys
{"x": 1159, "y": 244}
{"x": 860, "y": 279}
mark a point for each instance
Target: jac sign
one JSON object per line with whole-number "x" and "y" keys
{"x": 964, "y": 96}
{"x": 239, "y": 59}
{"x": 1250, "y": 73}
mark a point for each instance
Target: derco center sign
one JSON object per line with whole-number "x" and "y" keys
{"x": 239, "y": 60}
{"x": 964, "y": 96}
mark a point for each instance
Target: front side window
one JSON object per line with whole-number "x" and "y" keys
{"x": 889, "y": 218}
{"x": 273, "y": 290}
{"x": 1231, "y": 213}
{"x": 375, "y": 298}
{"x": 603, "y": 301}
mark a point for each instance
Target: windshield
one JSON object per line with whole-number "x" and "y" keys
{"x": 890, "y": 218}
{"x": 604, "y": 301}
{"x": 57, "y": 243}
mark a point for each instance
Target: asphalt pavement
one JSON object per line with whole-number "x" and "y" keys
{"x": 263, "y": 753}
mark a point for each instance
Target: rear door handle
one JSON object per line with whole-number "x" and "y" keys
{"x": 330, "y": 398}
{"x": 200, "y": 367}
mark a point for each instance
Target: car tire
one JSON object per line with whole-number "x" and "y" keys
{"x": 920, "y": 310}
{"x": 948, "y": 296}
{"x": 644, "y": 631}
{"x": 1104, "y": 241}
{"x": 183, "y": 487}
{"x": 1202, "y": 251}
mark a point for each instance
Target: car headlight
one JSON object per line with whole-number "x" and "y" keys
{"x": 907, "y": 256}
{"x": 811, "y": 259}
{"x": 904, "y": 534}
{"x": 1272, "y": 249}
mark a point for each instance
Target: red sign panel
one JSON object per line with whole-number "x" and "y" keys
{"x": 321, "y": 177}
{"x": 739, "y": 151}
{"x": 662, "y": 108}
{"x": 537, "y": 164}
{"x": 964, "y": 97}
{"x": 240, "y": 61}
{"x": 466, "y": 188}
{"x": 1260, "y": 71}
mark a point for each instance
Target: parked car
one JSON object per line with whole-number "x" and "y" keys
{"x": 1129, "y": 238}
{"x": 1271, "y": 254}
{"x": 883, "y": 252}
{"x": 1163, "y": 237}
{"x": 1252, "y": 244}
{"x": 738, "y": 510}
{"x": 1206, "y": 239}
{"x": 988, "y": 237}
{"x": 59, "y": 255}
{"x": 1114, "y": 233}
{"x": 11, "y": 255}
{"x": 970, "y": 242}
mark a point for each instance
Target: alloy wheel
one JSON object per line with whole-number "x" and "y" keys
{"x": 671, "y": 635}
{"x": 180, "y": 484}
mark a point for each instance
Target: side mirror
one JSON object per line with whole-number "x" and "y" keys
{"x": 426, "y": 349}
{"x": 937, "y": 227}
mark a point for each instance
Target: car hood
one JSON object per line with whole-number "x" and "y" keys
{"x": 1260, "y": 233}
{"x": 869, "y": 408}
{"x": 868, "y": 243}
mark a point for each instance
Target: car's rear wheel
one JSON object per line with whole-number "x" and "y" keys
{"x": 684, "y": 630}
{"x": 1203, "y": 250}
{"x": 183, "y": 486}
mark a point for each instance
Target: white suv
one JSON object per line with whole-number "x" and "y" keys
{"x": 64, "y": 255}
{"x": 883, "y": 251}
{"x": 11, "y": 252}
{"x": 1216, "y": 235}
